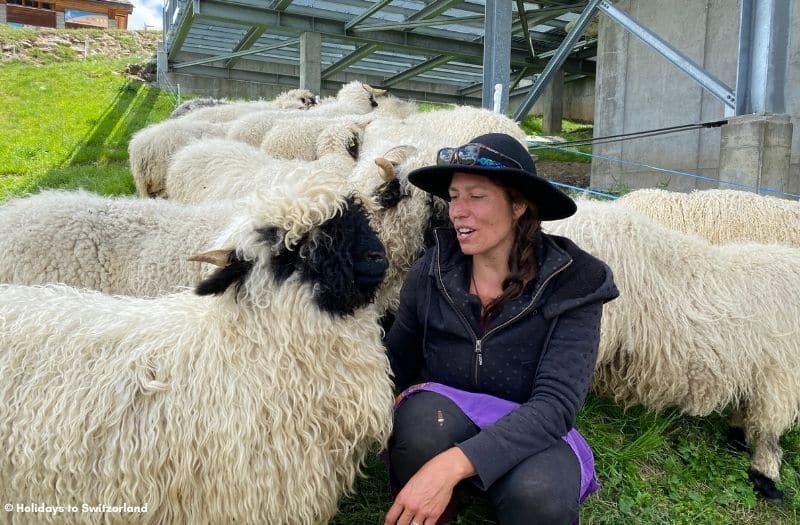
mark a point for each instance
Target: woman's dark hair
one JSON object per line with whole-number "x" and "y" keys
{"x": 523, "y": 261}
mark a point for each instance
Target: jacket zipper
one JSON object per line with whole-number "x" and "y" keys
{"x": 478, "y": 359}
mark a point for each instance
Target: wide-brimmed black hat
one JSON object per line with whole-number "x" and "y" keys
{"x": 503, "y": 159}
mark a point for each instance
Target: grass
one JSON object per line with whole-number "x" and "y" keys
{"x": 654, "y": 469}
{"x": 68, "y": 125}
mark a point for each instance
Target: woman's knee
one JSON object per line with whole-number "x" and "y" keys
{"x": 426, "y": 424}
{"x": 542, "y": 489}
{"x": 537, "y": 501}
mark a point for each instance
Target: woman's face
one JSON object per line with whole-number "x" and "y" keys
{"x": 482, "y": 215}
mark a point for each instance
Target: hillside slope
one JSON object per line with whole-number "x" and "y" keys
{"x": 45, "y": 46}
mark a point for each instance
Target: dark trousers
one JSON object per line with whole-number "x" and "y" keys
{"x": 542, "y": 489}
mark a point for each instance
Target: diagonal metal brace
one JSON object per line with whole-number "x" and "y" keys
{"x": 558, "y": 59}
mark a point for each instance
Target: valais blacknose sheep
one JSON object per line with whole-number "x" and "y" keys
{"x": 431, "y": 130}
{"x": 226, "y": 111}
{"x": 300, "y": 138}
{"x": 697, "y": 326}
{"x": 226, "y": 169}
{"x": 354, "y": 98}
{"x": 252, "y": 401}
{"x": 721, "y": 216}
{"x": 116, "y": 245}
{"x": 404, "y": 215}
{"x": 151, "y": 149}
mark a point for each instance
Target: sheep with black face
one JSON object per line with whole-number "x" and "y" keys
{"x": 254, "y": 402}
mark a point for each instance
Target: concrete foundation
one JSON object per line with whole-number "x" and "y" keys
{"x": 243, "y": 83}
{"x": 553, "y": 104}
{"x": 578, "y": 100}
{"x": 755, "y": 151}
{"x": 310, "y": 62}
{"x": 3, "y": 18}
{"x": 60, "y": 20}
{"x": 637, "y": 90}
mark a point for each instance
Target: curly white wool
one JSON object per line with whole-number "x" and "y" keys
{"x": 354, "y": 98}
{"x": 295, "y": 99}
{"x": 116, "y": 245}
{"x": 226, "y": 169}
{"x": 432, "y": 130}
{"x": 401, "y": 224}
{"x": 300, "y": 138}
{"x": 721, "y": 216}
{"x": 151, "y": 149}
{"x": 696, "y": 326}
{"x": 253, "y": 406}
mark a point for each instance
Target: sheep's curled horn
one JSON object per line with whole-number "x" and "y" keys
{"x": 375, "y": 91}
{"x": 386, "y": 169}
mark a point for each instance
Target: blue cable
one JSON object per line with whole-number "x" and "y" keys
{"x": 585, "y": 190}
{"x": 667, "y": 170}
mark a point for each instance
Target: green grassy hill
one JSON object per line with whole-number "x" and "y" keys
{"x": 66, "y": 122}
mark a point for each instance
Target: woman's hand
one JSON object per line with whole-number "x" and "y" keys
{"x": 427, "y": 493}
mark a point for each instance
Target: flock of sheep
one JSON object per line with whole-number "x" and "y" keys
{"x": 215, "y": 352}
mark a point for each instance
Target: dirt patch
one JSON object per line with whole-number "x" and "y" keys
{"x": 572, "y": 173}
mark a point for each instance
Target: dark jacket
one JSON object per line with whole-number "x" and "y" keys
{"x": 538, "y": 350}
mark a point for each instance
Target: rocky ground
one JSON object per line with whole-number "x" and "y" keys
{"x": 46, "y": 45}
{"x": 572, "y": 173}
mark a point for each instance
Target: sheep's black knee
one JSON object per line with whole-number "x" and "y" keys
{"x": 765, "y": 486}
{"x": 425, "y": 425}
{"x": 736, "y": 439}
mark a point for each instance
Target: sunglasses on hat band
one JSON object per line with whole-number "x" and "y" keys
{"x": 474, "y": 154}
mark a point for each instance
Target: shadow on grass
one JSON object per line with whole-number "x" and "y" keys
{"x": 108, "y": 139}
{"x": 98, "y": 163}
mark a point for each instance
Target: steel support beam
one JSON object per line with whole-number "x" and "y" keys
{"x": 245, "y": 43}
{"x": 236, "y": 54}
{"x": 434, "y": 9}
{"x": 417, "y": 23}
{"x": 496, "y": 53}
{"x": 238, "y": 14}
{"x": 763, "y": 56}
{"x": 240, "y": 74}
{"x": 540, "y": 15}
{"x": 524, "y": 25}
{"x": 558, "y": 59}
{"x": 348, "y": 60}
{"x": 430, "y": 11}
{"x": 366, "y": 14}
{"x": 183, "y": 24}
{"x": 709, "y": 82}
{"x": 416, "y": 70}
{"x": 280, "y": 5}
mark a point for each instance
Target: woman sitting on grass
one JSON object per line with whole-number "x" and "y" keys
{"x": 494, "y": 344}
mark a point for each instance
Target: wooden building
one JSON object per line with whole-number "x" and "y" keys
{"x": 101, "y": 14}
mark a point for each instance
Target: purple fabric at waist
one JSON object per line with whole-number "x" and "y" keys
{"x": 484, "y": 410}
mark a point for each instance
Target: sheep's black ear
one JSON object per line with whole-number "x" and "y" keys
{"x": 352, "y": 147}
{"x": 389, "y": 194}
{"x": 372, "y": 101}
{"x": 235, "y": 271}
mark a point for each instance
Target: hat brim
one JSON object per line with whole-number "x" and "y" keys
{"x": 551, "y": 203}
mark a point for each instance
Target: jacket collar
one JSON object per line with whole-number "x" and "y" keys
{"x": 451, "y": 272}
